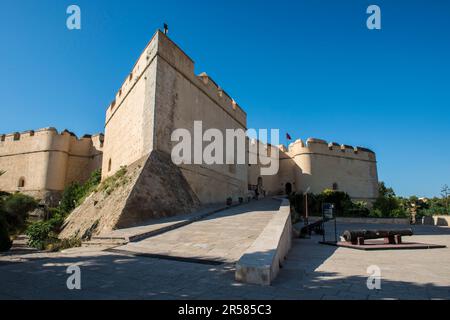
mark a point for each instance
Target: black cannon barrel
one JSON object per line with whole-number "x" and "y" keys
{"x": 353, "y": 235}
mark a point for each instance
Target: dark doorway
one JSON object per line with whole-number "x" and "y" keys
{"x": 288, "y": 188}
{"x": 21, "y": 182}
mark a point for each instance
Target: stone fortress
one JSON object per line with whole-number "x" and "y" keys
{"x": 42, "y": 163}
{"x": 162, "y": 93}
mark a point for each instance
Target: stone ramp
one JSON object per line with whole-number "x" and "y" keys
{"x": 221, "y": 237}
{"x": 154, "y": 227}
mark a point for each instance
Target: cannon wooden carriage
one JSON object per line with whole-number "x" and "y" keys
{"x": 358, "y": 237}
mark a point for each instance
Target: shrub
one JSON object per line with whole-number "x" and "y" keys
{"x": 5, "y": 240}
{"x": 69, "y": 198}
{"x": 356, "y": 209}
{"x": 4, "y": 194}
{"x": 59, "y": 245}
{"x": 341, "y": 201}
{"x": 39, "y": 233}
{"x": 298, "y": 203}
{"x": 376, "y": 213}
{"x": 399, "y": 213}
{"x": 75, "y": 194}
{"x": 89, "y": 187}
{"x": 387, "y": 201}
{"x": 15, "y": 208}
{"x": 116, "y": 180}
{"x": 42, "y": 233}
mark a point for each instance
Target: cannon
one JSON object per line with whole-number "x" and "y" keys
{"x": 390, "y": 236}
{"x": 316, "y": 227}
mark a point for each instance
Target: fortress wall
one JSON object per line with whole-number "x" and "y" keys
{"x": 273, "y": 184}
{"x": 322, "y": 164}
{"x": 268, "y": 183}
{"x": 129, "y": 118}
{"x": 96, "y": 152}
{"x": 287, "y": 174}
{"x": 58, "y": 160}
{"x": 181, "y": 99}
{"x": 84, "y": 158}
{"x": 27, "y": 156}
{"x": 41, "y": 159}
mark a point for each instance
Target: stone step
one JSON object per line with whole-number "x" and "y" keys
{"x": 99, "y": 241}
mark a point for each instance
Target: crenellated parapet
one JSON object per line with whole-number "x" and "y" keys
{"x": 331, "y": 165}
{"x": 43, "y": 162}
{"x": 221, "y": 97}
{"x": 322, "y": 147}
{"x": 160, "y": 46}
{"x": 49, "y": 139}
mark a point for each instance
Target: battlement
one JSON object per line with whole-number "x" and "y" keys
{"x": 163, "y": 47}
{"x": 45, "y": 132}
{"x": 42, "y": 162}
{"x": 49, "y": 139}
{"x": 319, "y": 146}
{"x": 214, "y": 90}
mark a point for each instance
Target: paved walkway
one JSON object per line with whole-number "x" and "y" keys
{"x": 327, "y": 272}
{"x": 312, "y": 271}
{"x": 157, "y": 226}
{"x": 222, "y": 237}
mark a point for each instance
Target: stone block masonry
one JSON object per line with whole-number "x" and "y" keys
{"x": 150, "y": 188}
{"x": 261, "y": 262}
{"x": 42, "y": 163}
{"x": 160, "y": 94}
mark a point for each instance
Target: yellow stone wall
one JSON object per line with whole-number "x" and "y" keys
{"x": 163, "y": 93}
{"x": 46, "y": 160}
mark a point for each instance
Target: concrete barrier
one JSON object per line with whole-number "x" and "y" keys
{"x": 261, "y": 262}
{"x": 441, "y": 221}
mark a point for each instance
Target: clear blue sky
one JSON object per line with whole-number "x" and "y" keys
{"x": 309, "y": 67}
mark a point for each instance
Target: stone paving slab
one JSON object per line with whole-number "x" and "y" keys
{"x": 155, "y": 227}
{"x": 312, "y": 271}
{"x": 419, "y": 274}
{"x": 223, "y": 236}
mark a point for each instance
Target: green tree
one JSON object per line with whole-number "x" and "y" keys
{"x": 387, "y": 202}
{"x": 44, "y": 234}
{"x": 384, "y": 191}
{"x": 14, "y": 209}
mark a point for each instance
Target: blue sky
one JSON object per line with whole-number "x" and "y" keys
{"x": 309, "y": 67}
